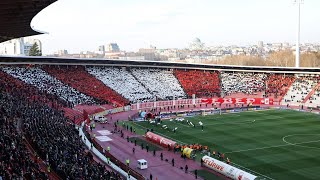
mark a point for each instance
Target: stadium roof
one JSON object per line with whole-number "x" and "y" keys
{"x": 16, "y": 16}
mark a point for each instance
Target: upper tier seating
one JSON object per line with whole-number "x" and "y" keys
{"x": 247, "y": 83}
{"x": 9, "y": 84}
{"x": 299, "y": 90}
{"x": 198, "y": 82}
{"x": 161, "y": 83}
{"x": 278, "y": 85}
{"x": 122, "y": 82}
{"x": 78, "y": 78}
{"x": 43, "y": 81}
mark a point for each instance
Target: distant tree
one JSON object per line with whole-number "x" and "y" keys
{"x": 243, "y": 60}
{"x": 284, "y": 58}
{"x": 34, "y": 50}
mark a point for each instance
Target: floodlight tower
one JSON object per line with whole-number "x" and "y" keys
{"x": 298, "y": 3}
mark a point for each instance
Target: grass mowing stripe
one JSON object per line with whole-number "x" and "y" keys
{"x": 283, "y": 162}
{"x": 187, "y": 143}
{"x": 160, "y": 134}
{"x": 287, "y": 144}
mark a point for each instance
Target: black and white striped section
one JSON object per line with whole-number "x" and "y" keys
{"x": 45, "y": 82}
{"x": 161, "y": 83}
{"x": 122, "y": 82}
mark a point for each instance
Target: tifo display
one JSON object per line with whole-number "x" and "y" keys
{"x": 198, "y": 120}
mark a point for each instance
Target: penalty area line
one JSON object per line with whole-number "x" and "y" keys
{"x": 268, "y": 147}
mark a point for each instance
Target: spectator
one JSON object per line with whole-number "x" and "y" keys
{"x": 198, "y": 82}
{"x": 247, "y": 83}
{"x": 123, "y": 82}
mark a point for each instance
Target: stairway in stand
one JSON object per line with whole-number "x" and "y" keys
{"x": 311, "y": 93}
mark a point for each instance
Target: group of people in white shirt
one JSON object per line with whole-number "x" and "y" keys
{"x": 242, "y": 82}
{"x": 43, "y": 81}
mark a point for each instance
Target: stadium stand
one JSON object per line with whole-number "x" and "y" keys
{"x": 201, "y": 83}
{"x": 78, "y": 78}
{"x": 15, "y": 159}
{"x": 34, "y": 103}
{"x": 300, "y": 89}
{"x": 43, "y": 81}
{"x": 57, "y": 142}
{"x": 238, "y": 82}
{"x": 277, "y": 85}
{"x": 13, "y": 85}
{"x": 160, "y": 83}
{"x": 41, "y": 99}
{"x": 51, "y": 136}
{"x": 122, "y": 82}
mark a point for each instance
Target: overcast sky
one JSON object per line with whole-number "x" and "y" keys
{"x": 78, "y": 25}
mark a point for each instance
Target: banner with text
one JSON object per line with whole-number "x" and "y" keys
{"x": 226, "y": 169}
{"x": 252, "y": 101}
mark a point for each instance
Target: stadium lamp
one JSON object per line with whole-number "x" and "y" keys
{"x": 298, "y": 3}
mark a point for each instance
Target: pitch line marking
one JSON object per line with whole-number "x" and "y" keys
{"x": 299, "y": 144}
{"x": 232, "y": 162}
{"x": 242, "y": 122}
{"x": 253, "y": 149}
{"x": 253, "y": 171}
{"x": 282, "y": 145}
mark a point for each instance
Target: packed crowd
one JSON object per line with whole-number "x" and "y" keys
{"x": 15, "y": 159}
{"x": 160, "y": 83}
{"x": 59, "y": 144}
{"x": 277, "y": 85}
{"x": 300, "y": 89}
{"x": 44, "y": 82}
{"x": 248, "y": 83}
{"x": 122, "y": 82}
{"x": 11, "y": 85}
{"x": 121, "y": 86}
{"x": 78, "y": 78}
{"x": 200, "y": 83}
{"x": 49, "y": 133}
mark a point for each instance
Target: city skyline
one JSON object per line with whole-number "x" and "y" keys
{"x": 172, "y": 24}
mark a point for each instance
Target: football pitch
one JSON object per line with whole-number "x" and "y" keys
{"x": 272, "y": 144}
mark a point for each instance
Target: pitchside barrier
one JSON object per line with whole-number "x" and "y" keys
{"x": 188, "y": 102}
{"x": 202, "y": 101}
{"x": 216, "y": 165}
{"x": 226, "y": 169}
{"x": 164, "y": 142}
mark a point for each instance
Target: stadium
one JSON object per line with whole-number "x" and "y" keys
{"x": 70, "y": 118}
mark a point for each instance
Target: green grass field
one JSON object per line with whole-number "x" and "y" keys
{"x": 274, "y": 144}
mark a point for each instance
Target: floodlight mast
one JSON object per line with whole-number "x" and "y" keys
{"x": 298, "y": 2}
